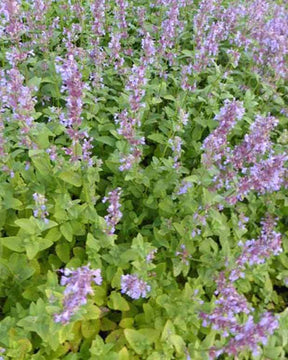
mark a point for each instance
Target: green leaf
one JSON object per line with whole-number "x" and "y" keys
{"x": 20, "y": 267}
{"x": 274, "y": 353}
{"x": 12, "y": 203}
{"x": 28, "y": 225}
{"x": 100, "y": 348}
{"x": 92, "y": 243}
{"x": 34, "y": 82}
{"x": 67, "y": 231}
{"x": 32, "y": 249}
{"x": 158, "y": 138}
{"x": 123, "y": 354}
{"x": 178, "y": 343}
{"x": 41, "y": 163}
{"x": 106, "y": 140}
{"x": 92, "y": 312}
{"x": 43, "y": 226}
{"x": 168, "y": 330}
{"x": 138, "y": 342}
{"x": 63, "y": 252}
{"x": 13, "y": 243}
{"x": 71, "y": 177}
{"x": 90, "y": 328}
{"x": 117, "y": 302}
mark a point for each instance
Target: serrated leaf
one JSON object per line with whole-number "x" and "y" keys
{"x": 178, "y": 343}
{"x": 32, "y": 249}
{"x": 158, "y": 138}
{"x": 12, "y": 203}
{"x": 13, "y": 243}
{"x": 138, "y": 342}
{"x": 123, "y": 354}
{"x": 63, "y": 252}
{"x": 71, "y": 177}
{"x": 67, "y": 231}
{"x": 117, "y": 302}
{"x": 28, "y": 225}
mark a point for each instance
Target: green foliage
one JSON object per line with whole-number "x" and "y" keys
{"x": 156, "y": 220}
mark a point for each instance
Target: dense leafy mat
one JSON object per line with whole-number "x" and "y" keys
{"x": 144, "y": 205}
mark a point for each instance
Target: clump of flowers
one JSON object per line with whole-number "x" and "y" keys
{"x": 149, "y": 49}
{"x": 40, "y": 210}
{"x": 135, "y": 85}
{"x": 128, "y": 129}
{"x": 12, "y": 21}
{"x": 78, "y": 286}
{"x": 98, "y": 11}
{"x": 251, "y": 165}
{"x": 216, "y": 144}
{"x": 259, "y": 250}
{"x": 18, "y": 98}
{"x": 115, "y": 214}
{"x": 249, "y": 334}
{"x": 241, "y": 336}
{"x": 72, "y": 82}
{"x": 134, "y": 287}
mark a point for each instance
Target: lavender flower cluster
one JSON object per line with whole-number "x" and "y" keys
{"x": 251, "y": 165}
{"x": 262, "y": 36}
{"x": 134, "y": 287}
{"x": 78, "y": 285}
{"x": 258, "y": 251}
{"x": 229, "y": 304}
{"x": 18, "y": 98}
{"x": 115, "y": 214}
{"x": 72, "y": 82}
{"x": 240, "y": 336}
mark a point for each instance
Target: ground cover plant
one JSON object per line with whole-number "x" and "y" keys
{"x": 143, "y": 192}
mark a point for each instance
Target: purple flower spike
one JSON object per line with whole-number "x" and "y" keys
{"x": 78, "y": 286}
{"x": 115, "y": 214}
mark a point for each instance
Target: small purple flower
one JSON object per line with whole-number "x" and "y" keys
{"x": 184, "y": 254}
{"x": 134, "y": 287}
{"x": 185, "y": 185}
{"x": 40, "y": 210}
{"x": 151, "y": 255}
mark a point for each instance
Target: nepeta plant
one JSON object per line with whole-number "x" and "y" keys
{"x": 152, "y": 135}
